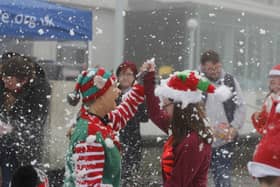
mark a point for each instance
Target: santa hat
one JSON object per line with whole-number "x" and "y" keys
{"x": 91, "y": 84}
{"x": 187, "y": 87}
{"x": 275, "y": 71}
{"x": 266, "y": 159}
{"x": 127, "y": 65}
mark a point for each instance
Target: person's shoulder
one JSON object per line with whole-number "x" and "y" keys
{"x": 230, "y": 75}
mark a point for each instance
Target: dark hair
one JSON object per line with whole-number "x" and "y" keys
{"x": 19, "y": 66}
{"x": 25, "y": 176}
{"x": 269, "y": 180}
{"x": 9, "y": 55}
{"x": 190, "y": 119}
{"x": 209, "y": 56}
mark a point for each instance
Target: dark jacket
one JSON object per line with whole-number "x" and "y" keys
{"x": 27, "y": 117}
{"x": 131, "y": 144}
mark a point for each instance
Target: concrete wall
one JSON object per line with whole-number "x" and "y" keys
{"x": 102, "y": 48}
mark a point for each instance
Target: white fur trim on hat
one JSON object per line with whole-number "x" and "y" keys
{"x": 185, "y": 97}
{"x": 274, "y": 72}
{"x": 257, "y": 169}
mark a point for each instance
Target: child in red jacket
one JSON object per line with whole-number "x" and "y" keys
{"x": 187, "y": 152}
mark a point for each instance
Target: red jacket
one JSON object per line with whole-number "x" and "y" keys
{"x": 185, "y": 165}
{"x": 268, "y": 118}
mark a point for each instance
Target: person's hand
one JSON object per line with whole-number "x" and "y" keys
{"x": 147, "y": 66}
{"x": 226, "y": 132}
{"x": 70, "y": 132}
{"x": 232, "y": 133}
{"x": 221, "y": 131}
{"x": 10, "y": 98}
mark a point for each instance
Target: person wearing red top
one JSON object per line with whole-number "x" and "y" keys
{"x": 93, "y": 158}
{"x": 187, "y": 152}
{"x": 269, "y": 116}
{"x": 265, "y": 165}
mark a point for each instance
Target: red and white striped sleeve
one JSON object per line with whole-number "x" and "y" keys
{"x": 89, "y": 163}
{"x": 127, "y": 109}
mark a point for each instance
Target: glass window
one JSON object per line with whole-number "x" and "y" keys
{"x": 15, "y": 45}
{"x": 72, "y": 58}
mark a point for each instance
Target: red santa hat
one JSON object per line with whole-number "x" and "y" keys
{"x": 266, "y": 159}
{"x": 275, "y": 71}
{"x": 187, "y": 87}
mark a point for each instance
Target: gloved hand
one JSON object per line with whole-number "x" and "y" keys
{"x": 147, "y": 66}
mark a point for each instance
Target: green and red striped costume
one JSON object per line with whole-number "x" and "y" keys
{"x": 94, "y": 164}
{"x": 93, "y": 157}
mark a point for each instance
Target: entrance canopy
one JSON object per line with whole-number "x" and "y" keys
{"x": 41, "y": 20}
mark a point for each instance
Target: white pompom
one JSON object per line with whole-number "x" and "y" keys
{"x": 91, "y": 139}
{"x": 75, "y": 158}
{"x": 223, "y": 92}
{"x": 278, "y": 108}
{"x": 109, "y": 143}
{"x": 99, "y": 81}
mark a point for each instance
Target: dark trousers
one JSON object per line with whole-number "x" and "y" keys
{"x": 131, "y": 157}
{"x": 8, "y": 164}
{"x": 221, "y": 165}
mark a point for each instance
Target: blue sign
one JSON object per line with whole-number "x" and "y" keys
{"x": 41, "y": 20}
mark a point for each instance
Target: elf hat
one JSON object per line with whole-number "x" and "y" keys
{"x": 187, "y": 86}
{"x": 266, "y": 159}
{"x": 91, "y": 84}
{"x": 275, "y": 71}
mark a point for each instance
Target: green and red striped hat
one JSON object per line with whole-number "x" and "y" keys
{"x": 187, "y": 86}
{"x": 91, "y": 84}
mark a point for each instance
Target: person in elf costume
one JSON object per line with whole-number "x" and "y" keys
{"x": 176, "y": 106}
{"x": 269, "y": 116}
{"x": 93, "y": 158}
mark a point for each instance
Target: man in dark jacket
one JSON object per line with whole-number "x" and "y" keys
{"x": 23, "y": 109}
{"x": 226, "y": 118}
{"x": 130, "y": 136}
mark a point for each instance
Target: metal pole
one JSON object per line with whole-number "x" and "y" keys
{"x": 191, "y": 63}
{"x": 90, "y": 54}
{"x": 191, "y": 25}
{"x": 119, "y": 33}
